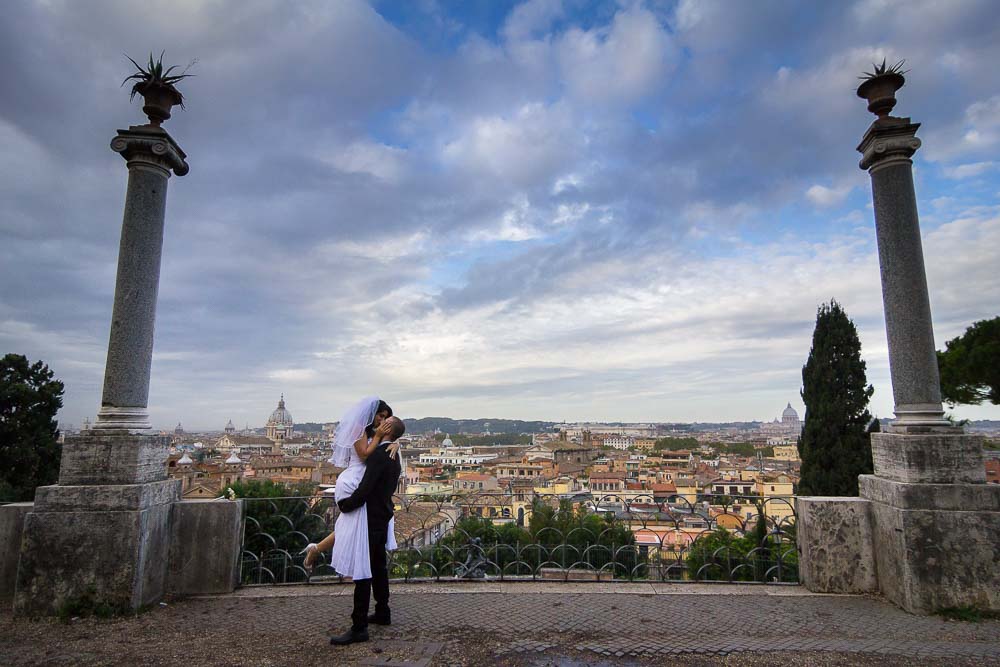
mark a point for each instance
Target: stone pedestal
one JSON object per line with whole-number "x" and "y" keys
{"x": 936, "y": 523}
{"x": 103, "y": 533}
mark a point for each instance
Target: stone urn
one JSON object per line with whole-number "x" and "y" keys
{"x": 880, "y": 91}
{"x": 159, "y": 99}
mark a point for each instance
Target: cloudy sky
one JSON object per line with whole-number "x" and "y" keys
{"x": 541, "y": 210}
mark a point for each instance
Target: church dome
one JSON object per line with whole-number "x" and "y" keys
{"x": 184, "y": 460}
{"x": 447, "y": 441}
{"x": 233, "y": 458}
{"x": 281, "y": 416}
{"x": 789, "y": 414}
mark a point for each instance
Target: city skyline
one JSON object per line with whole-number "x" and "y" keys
{"x": 543, "y": 210}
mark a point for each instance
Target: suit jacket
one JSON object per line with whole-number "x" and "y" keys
{"x": 376, "y": 488}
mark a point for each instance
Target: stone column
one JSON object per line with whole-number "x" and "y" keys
{"x": 151, "y": 155}
{"x": 888, "y": 147}
{"x": 926, "y": 520}
{"x": 935, "y": 524}
{"x": 102, "y": 535}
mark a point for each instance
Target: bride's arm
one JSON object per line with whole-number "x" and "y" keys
{"x": 363, "y": 448}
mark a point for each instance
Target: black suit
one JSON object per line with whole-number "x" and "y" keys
{"x": 376, "y": 489}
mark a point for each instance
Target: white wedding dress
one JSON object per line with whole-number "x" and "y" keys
{"x": 350, "y": 556}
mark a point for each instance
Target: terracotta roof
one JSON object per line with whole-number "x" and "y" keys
{"x": 615, "y": 476}
{"x": 473, "y": 477}
{"x": 418, "y": 517}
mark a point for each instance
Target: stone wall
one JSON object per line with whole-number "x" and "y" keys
{"x": 11, "y": 527}
{"x": 206, "y": 538}
{"x": 834, "y": 537}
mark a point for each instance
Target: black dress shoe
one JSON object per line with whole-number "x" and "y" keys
{"x": 380, "y": 620}
{"x": 350, "y": 637}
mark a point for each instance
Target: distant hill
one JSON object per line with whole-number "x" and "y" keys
{"x": 717, "y": 426}
{"x": 309, "y": 427}
{"x": 446, "y": 425}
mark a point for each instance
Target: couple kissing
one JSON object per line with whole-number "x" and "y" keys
{"x": 366, "y": 446}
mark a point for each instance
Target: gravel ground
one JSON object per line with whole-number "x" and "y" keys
{"x": 568, "y": 629}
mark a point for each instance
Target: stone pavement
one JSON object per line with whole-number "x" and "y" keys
{"x": 529, "y": 624}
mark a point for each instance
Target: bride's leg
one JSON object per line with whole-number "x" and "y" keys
{"x": 325, "y": 545}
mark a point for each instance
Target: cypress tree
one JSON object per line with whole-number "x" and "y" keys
{"x": 835, "y": 445}
{"x": 29, "y": 435}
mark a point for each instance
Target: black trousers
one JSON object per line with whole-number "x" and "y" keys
{"x": 379, "y": 582}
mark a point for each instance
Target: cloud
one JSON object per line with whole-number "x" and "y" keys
{"x": 293, "y": 375}
{"x": 531, "y": 17}
{"x": 824, "y": 196}
{"x": 971, "y": 170}
{"x": 570, "y": 210}
{"x": 531, "y": 147}
{"x": 620, "y": 63}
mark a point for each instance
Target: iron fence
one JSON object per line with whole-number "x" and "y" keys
{"x": 504, "y": 536}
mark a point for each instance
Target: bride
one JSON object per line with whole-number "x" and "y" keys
{"x": 362, "y": 428}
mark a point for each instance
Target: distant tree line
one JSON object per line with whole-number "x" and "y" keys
{"x": 674, "y": 444}
{"x": 309, "y": 427}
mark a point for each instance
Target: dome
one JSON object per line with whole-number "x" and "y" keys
{"x": 281, "y": 416}
{"x": 185, "y": 460}
{"x": 447, "y": 441}
{"x": 789, "y": 414}
{"x": 233, "y": 458}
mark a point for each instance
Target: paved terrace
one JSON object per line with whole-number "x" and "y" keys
{"x": 532, "y": 624}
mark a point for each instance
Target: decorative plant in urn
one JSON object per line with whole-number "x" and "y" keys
{"x": 156, "y": 86}
{"x": 880, "y": 85}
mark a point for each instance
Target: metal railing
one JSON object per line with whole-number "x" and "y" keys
{"x": 496, "y": 535}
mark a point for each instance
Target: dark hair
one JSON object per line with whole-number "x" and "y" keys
{"x": 398, "y": 428}
{"x": 382, "y": 407}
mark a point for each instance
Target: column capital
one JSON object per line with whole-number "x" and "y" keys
{"x": 888, "y": 141}
{"x": 151, "y": 147}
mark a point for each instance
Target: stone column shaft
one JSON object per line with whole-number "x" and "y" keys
{"x": 916, "y": 388}
{"x": 151, "y": 155}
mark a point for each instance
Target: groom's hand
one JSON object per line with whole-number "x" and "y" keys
{"x": 340, "y": 504}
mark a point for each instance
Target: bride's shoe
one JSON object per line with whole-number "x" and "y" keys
{"x": 310, "y": 550}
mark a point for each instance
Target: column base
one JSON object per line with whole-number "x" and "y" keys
{"x": 929, "y": 458}
{"x": 113, "y": 457}
{"x": 936, "y": 545}
{"x": 129, "y": 420}
{"x": 103, "y": 547}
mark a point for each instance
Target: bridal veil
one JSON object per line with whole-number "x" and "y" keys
{"x": 350, "y": 428}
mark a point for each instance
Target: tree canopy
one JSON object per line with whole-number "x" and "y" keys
{"x": 29, "y": 434}
{"x": 673, "y": 444}
{"x": 835, "y": 446}
{"x": 970, "y": 365}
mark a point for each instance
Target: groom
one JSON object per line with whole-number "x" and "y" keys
{"x": 376, "y": 488}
